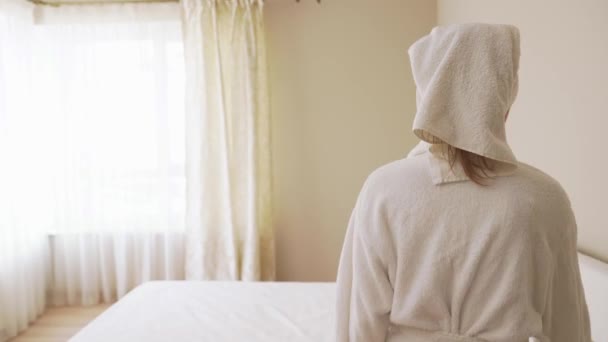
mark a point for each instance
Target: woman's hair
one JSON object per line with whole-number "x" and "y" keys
{"x": 476, "y": 167}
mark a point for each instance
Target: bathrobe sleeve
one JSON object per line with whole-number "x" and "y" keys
{"x": 364, "y": 292}
{"x": 566, "y": 318}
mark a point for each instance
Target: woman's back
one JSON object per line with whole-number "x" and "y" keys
{"x": 467, "y": 260}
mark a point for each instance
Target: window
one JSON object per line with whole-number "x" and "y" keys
{"x": 102, "y": 145}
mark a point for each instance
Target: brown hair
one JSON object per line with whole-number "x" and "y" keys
{"x": 476, "y": 167}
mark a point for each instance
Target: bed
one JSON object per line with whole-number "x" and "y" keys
{"x": 595, "y": 281}
{"x": 187, "y": 311}
{"x": 265, "y": 312}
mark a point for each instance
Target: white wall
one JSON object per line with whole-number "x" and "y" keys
{"x": 560, "y": 119}
{"x": 343, "y": 101}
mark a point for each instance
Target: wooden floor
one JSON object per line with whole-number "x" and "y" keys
{"x": 59, "y": 324}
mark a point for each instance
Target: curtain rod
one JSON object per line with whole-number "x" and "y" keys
{"x": 101, "y": 2}
{"x": 95, "y": 2}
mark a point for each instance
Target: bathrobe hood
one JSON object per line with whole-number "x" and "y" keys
{"x": 466, "y": 81}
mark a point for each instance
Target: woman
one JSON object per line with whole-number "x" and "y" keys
{"x": 460, "y": 241}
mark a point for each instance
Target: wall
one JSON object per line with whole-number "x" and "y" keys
{"x": 343, "y": 101}
{"x": 559, "y": 121}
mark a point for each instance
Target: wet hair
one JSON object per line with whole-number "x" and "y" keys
{"x": 476, "y": 167}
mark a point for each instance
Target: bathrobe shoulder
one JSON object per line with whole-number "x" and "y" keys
{"x": 459, "y": 260}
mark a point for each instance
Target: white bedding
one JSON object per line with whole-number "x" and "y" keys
{"x": 264, "y": 312}
{"x": 594, "y": 274}
{"x": 218, "y": 311}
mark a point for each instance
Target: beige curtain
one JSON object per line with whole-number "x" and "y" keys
{"x": 228, "y": 219}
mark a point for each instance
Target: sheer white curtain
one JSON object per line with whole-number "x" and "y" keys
{"x": 24, "y": 263}
{"x": 228, "y": 220}
{"x": 107, "y": 178}
{"x": 92, "y": 151}
{"x": 110, "y": 146}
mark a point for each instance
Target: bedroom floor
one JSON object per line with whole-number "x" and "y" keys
{"x": 59, "y": 324}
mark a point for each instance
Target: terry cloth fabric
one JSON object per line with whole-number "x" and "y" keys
{"x": 460, "y": 261}
{"x": 466, "y": 81}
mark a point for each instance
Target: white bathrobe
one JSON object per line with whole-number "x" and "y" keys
{"x": 430, "y": 255}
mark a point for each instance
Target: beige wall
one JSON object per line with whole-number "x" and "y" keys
{"x": 342, "y": 105}
{"x": 560, "y": 119}
{"x": 343, "y": 102}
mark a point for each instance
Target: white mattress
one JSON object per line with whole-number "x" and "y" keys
{"x": 264, "y": 312}
{"x": 594, "y": 274}
{"x": 218, "y": 311}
